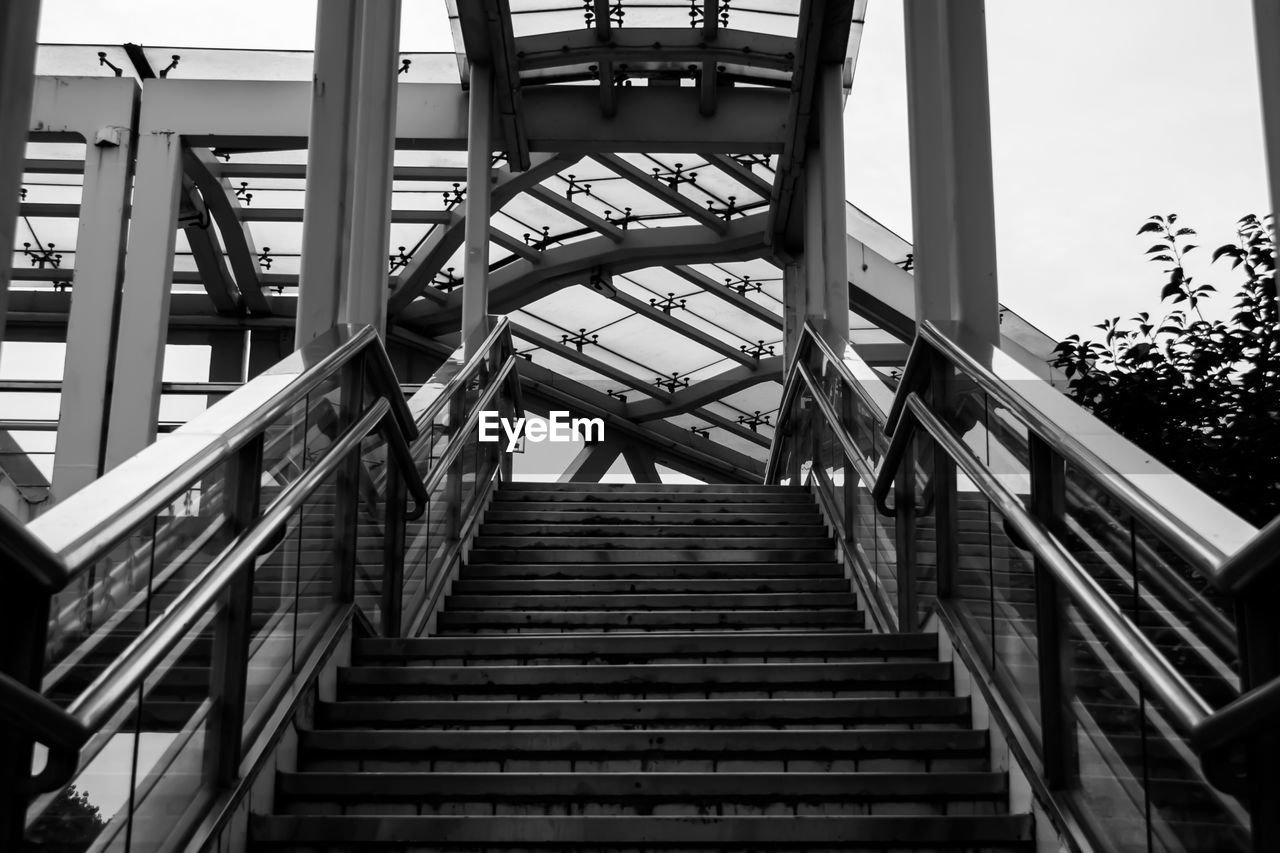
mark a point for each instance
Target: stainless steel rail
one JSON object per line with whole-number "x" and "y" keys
{"x": 1187, "y": 708}
{"x": 1173, "y": 527}
{"x": 118, "y": 681}
{"x": 80, "y": 529}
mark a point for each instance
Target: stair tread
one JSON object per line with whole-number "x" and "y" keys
{"x": 939, "y": 831}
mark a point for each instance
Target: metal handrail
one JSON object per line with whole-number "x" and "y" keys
{"x": 119, "y": 681}
{"x": 154, "y": 477}
{"x": 20, "y": 548}
{"x": 469, "y": 369}
{"x": 1187, "y": 708}
{"x": 1201, "y": 553}
{"x": 446, "y": 459}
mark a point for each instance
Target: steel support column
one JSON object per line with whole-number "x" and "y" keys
{"x": 831, "y": 152}
{"x": 1266, "y": 25}
{"x": 475, "y": 265}
{"x": 364, "y": 294}
{"x": 793, "y": 310}
{"x": 144, "y": 302}
{"x": 640, "y": 461}
{"x": 95, "y": 297}
{"x": 18, "y": 22}
{"x": 592, "y": 462}
{"x": 326, "y": 219}
{"x": 815, "y": 277}
{"x": 953, "y": 210}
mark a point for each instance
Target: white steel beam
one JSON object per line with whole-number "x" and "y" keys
{"x": 18, "y": 23}
{"x": 364, "y": 292}
{"x": 953, "y": 209}
{"x": 104, "y": 112}
{"x": 144, "y": 304}
{"x": 831, "y": 153}
{"x": 479, "y": 207}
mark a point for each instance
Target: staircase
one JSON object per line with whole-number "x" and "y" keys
{"x": 646, "y": 667}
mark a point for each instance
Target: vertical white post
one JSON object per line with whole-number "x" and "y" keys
{"x": 91, "y": 325}
{"x": 364, "y": 297}
{"x": 144, "y": 302}
{"x": 835, "y": 262}
{"x": 18, "y": 22}
{"x": 953, "y": 209}
{"x": 475, "y": 265}
{"x": 793, "y": 310}
{"x": 1266, "y": 24}
{"x": 326, "y": 218}
{"x": 815, "y": 275}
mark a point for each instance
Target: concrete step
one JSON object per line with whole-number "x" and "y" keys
{"x": 763, "y": 542}
{"x": 601, "y": 514}
{"x": 948, "y": 711}
{"x": 865, "y": 832}
{"x": 729, "y": 569}
{"x": 677, "y": 559}
{"x": 655, "y": 495}
{"x": 654, "y": 749}
{"x": 650, "y": 586}
{"x": 659, "y": 507}
{"x": 650, "y": 601}
{"x": 648, "y": 679}
{"x": 640, "y": 648}
{"x": 664, "y": 488}
{"x": 685, "y": 529}
{"x": 552, "y": 621}
{"x": 635, "y": 793}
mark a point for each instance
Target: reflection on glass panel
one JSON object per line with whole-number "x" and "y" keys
{"x": 275, "y": 593}
{"x": 371, "y": 525}
{"x": 316, "y": 558}
{"x": 1135, "y": 780}
{"x": 1015, "y": 648}
{"x": 1167, "y": 599}
{"x": 920, "y": 461}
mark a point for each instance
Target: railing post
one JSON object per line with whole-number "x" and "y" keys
{"x": 945, "y": 511}
{"x": 1048, "y": 504}
{"x": 24, "y": 624}
{"x": 393, "y": 550}
{"x": 346, "y": 501}
{"x": 232, "y": 630}
{"x": 904, "y": 513}
{"x": 1259, "y": 643}
{"x": 453, "y": 479}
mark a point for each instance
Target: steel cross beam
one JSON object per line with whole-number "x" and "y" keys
{"x": 709, "y": 390}
{"x": 519, "y": 283}
{"x": 693, "y": 333}
{"x": 588, "y": 361}
{"x": 824, "y": 38}
{"x": 575, "y": 211}
{"x": 203, "y": 168}
{"x": 733, "y": 297}
{"x": 429, "y": 258}
{"x": 671, "y": 442}
{"x": 488, "y": 39}
{"x": 661, "y": 191}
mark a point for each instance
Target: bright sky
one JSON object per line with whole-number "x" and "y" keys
{"x": 1103, "y": 113}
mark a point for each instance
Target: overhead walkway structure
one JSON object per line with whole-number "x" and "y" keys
{"x": 920, "y": 600}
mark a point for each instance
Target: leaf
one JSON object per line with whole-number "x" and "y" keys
{"x": 1158, "y": 247}
{"x": 1168, "y": 258}
{"x": 1229, "y": 249}
{"x": 1184, "y": 231}
{"x": 1189, "y": 247}
{"x": 1151, "y": 227}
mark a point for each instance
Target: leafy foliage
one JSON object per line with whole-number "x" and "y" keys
{"x": 1202, "y": 395}
{"x": 69, "y": 825}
